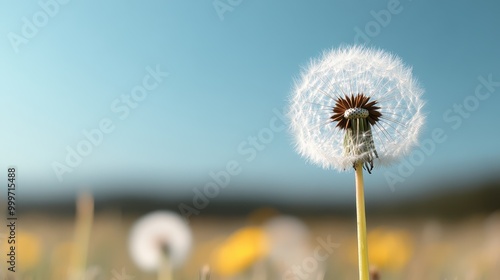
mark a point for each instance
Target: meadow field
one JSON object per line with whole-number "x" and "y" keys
{"x": 265, "y": 244}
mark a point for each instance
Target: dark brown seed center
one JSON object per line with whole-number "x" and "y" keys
{"x": 358, "y": 101}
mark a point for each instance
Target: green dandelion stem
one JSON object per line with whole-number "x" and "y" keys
{"x": 359, "y": 145}
{"x": 83, "y": 228}
{"x": 361, "y": 223}
{"x": 165, "y": 269}
{"x": 205, "y": 273}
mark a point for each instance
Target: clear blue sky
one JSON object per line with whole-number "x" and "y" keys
{"x": 65, "y": 67}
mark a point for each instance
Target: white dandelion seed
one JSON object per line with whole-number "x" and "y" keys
{"x": 356, "y": 105}
{"x": 158, "y": 233}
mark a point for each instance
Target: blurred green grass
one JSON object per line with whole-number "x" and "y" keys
{"x": 450, "y": 235}
{"x": 401, "y": 248}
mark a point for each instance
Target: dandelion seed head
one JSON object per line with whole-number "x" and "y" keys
{"x": 158, "y": 233}
{"x": 349, "y": 88}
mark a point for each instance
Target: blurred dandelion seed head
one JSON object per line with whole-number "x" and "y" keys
{"x": 289, "y": 239}
{"x": 356, "y": 105}
{"x": 159, "y": 233}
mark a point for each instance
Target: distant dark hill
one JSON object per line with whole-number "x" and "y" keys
{"x": 458, "y": 201}
{"x": 483, "y": 198}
